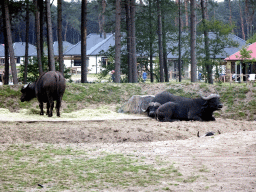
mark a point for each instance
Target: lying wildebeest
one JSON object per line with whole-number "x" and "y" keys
{"x": 49, "y": 87}
{"x": 200, "y": 109}
{"x": 159, "y": 100}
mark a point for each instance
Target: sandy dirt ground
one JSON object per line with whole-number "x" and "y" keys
{"x": 223, "y": 162}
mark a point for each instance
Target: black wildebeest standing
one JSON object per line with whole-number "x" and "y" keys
{"x": 200, "y": 109}
{"x": 49, "y": 87}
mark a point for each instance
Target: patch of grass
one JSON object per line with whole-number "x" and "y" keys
{"x": 190, "y": 179}
{"x": 97, "y": 93}
{"x": 79, "y": 96}
{"x": 23, "y": 167}
{"x": 203, "y": 169}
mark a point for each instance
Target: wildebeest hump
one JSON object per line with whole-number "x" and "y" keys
{"x": 162, "y": 98}
{"x": 195, "y": 109}
{"x": 50, "y": 84}
{"x": 49, "y": 87}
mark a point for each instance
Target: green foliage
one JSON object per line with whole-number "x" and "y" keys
{"x": 252, "y": 39}
{"x": 79, "y": 96}
{"x": 245, "y": 55}
{"x": 221, "y": 39}
{"x": 33, "y": 69}
{"x": 110, "y": 54}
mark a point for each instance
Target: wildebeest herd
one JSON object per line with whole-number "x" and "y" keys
{"x": 168, "y": 107}
{"x": 50, "y": 87}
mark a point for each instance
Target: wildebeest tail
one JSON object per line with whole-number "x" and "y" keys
{"x": 57, "y": 77}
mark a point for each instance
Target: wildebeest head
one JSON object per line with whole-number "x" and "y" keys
{"x": 212, "y": 102}
{"x": 28, "y": 92}
{"x": 152, "y": 107}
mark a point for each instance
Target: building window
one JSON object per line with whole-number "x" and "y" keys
{"x": 77, "y": 62}
{"x": 18, "y": 59}
{"x": 104, "y": 62}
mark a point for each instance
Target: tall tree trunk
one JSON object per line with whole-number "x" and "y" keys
{"x": 65, "y": 32}
{"x": 151, "y": 42}
{"x": 60, "y": 43}
{"x": 186, "y": 13}
{"x": 242, "y": 20}
{"x": 247, "y": 18}
{"x": 179, "y": 62}
{"x": 83, "y": 41}
{"x": 101, "y": 19}
{"x": 133, "y": 44}
{"x": 206, "y": 43}
{"x": 193, "y": 40}
{"x": 128, "y": 26}
{"x": 51, "y": 61}
{"x": 165, "y": 51}
{"x": 26, "y": 48}
{"x": 38, "y": 43}
{"x": 9, "y": 37}
{"x": 41, "y": 5}
{"x": 160, "y": 42}
{"x": 118, "y": 41}
{"x": 230, "y": 14}
{"x": 6, "y": 48}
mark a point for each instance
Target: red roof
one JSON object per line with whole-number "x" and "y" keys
{"x": 236, "y": 56}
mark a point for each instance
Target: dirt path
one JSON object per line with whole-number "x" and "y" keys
{"x": 223, "y": 162}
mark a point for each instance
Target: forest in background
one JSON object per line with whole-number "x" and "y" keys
{"x": 242, "y": 17}
{"x": 148, "y": 28}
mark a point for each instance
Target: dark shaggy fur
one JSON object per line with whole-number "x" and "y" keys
{"x": 49, "y": 87}
{"x": 200, "y": 109}
{"x": 160, "y": 99}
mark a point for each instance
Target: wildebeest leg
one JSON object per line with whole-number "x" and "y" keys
{"x": 48, "y": 107}
{"x": 197, "y": 118}
{"x": 172, "y": 120}
{"x": 58, "y": 104}
{"x": 51, "y": 108}
{"x": 41, "y": 105}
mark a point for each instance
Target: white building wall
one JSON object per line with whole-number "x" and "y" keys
{"x": 94, "y": 64}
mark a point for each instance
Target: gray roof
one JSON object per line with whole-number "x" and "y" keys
{"x": 226, "y": 52}
{"x": 102, "y": 46}
{"x": 92, "y": 40}
{"x": 66, "y": 46}
{"x": 19, "y": 49}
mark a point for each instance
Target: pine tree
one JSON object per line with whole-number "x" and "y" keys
{"x": 83, "y": 41}
{"x": 118, "y": 41}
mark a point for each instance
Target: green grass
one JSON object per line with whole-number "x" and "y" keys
{"x": 80, "y": 96}
{"x": 25, "y": 166}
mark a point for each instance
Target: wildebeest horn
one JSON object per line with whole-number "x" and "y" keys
{"x": 151, "y": 104}
{"x": 210, "y": 96}
{"x": 156, "y": 104}
{"x": 25, "y": 86}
